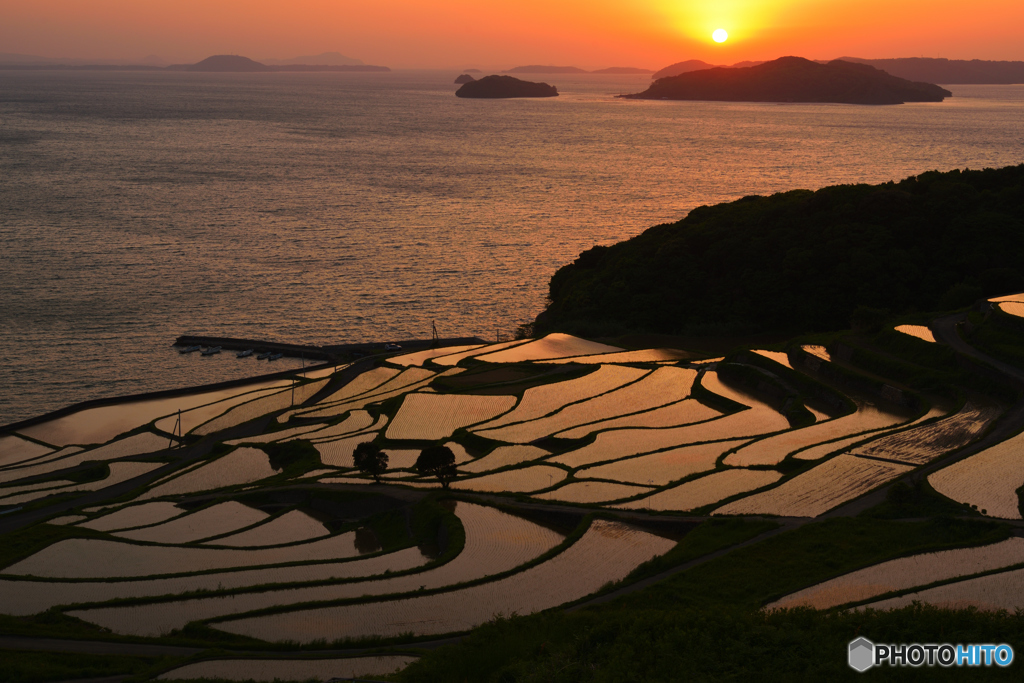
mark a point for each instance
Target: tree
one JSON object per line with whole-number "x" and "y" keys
{"x": 438, "y": 461}
{"x": 370, "y": 459}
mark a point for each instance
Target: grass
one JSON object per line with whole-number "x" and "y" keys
{"x": 41, "y": 667}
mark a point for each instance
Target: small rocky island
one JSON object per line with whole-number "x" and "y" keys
{"x": 794, "y": 79}
{"x": 496, "y": 87}
{"x": 464, "y": 78}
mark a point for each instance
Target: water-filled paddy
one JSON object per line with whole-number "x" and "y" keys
{"x": 215, "y": 520}
{"x": 421, "y": 357}
{"x": 817, "y": 491}
{"x": 139, "y": 444}
{"x": 992, "y": 593}
{"x": 545, "y": 399}
{"x": 705, "y": 491}
{"x": 504, "y": 456}
{"x": 554, "y": 345}
{"x": 496, "y": 542}
{"x": 772, "y": 450}
{"x": 687, "y": 411}
{"x": 641, "y": 356}
{"x": 919, "y": 331}
{"x": 119, "y": 472}
{"x": 32, "y": 597}
{"x": 357, "y": 421}
{"x": 608, "y": 551}
{"x": 904, "y": 573}
{"x": 664, "y": 467}
{"x": 919, "y": 445}
{"x": 14, "y": 449}
{"x": 778, "y": 356}
{"x": 663, "y": 386}
{"x": 523, "y": 480}
{"x": 135, "y": 516}
{"x": 454, "y": 358}
{"x": 240, "y": 466}
{"x": 593, "y": 492}
{"x": 988, "y": 480}
{"x": 190, "y": 419}
{"x": 262, "y": 406}
{"x": 821, "y": 450}
{"x": 437, "y": 416}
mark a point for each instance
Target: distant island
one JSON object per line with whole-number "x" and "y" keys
{"x": 803, "y": 261}
{"x": 464, "y": 78}
{"x": 793, "y": 79}
{"x": 239, "y": 64}
{"x": 498, "y": 87}
{"x": 949, "y": 71}
{"x": 539, "y": 69}
{"x": 682, "y": 68}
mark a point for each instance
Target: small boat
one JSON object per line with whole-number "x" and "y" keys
{"x": 265, "y": 355}
{"x": 275, "y": 356}
{"x": 210, "y": 351}
{"x": 244, "y": 354}
{"x": 190, "y": 349}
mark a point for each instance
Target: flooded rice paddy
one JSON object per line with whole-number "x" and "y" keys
{"x": 987, "y": 480}
{"x": 706, "y": 490}
{"x": 215, "y": 520}
{"x": 437, "y": 416}
{"x": 663, "y": 467}
{"x": 552, "y": 346}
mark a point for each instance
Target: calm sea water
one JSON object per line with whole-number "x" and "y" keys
{"x": 355, "y": 207}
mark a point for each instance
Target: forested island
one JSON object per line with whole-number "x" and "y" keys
{"x": 804, "y": 261}
{"x": 239, "y": 64}
{"x": 793, "y": 79}
{"x": 499, "y": 87}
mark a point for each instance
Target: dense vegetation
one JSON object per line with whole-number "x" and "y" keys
{"x": 496, "y": 87}
{"x": 804, "y": 261}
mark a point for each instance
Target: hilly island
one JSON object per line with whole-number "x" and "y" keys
{"x": 793, "y": 79}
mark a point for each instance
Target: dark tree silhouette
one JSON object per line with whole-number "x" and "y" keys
{"x": 370, "y": 459}
{"x": 438, "y": 461}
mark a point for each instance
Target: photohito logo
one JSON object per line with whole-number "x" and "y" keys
{"x": 863, "y": 654}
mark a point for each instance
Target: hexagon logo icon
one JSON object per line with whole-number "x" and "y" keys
{"x": 862, "y": 654}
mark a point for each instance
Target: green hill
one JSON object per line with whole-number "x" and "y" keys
{"x": 804, "y": 261}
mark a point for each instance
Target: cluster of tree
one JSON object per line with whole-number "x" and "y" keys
{"x": 804, "y": 261}
{"x": 433, "y": 461}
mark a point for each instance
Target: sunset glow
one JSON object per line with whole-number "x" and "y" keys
{"x": 459, "y": 33}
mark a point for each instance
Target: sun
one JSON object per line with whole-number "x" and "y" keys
{"x": 720, "y": 35}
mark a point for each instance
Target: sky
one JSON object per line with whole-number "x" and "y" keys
{"x": 504, "y": 33}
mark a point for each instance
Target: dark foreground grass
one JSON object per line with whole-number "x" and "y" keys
{"x": 42, "y": 667}
{"x": 723, "y": 644}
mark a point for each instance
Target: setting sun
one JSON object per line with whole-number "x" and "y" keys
{"x": 720, "y": 35}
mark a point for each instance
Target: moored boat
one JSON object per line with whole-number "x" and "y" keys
{"x": 244, "y": 354}
{"x": 265, "y": 355}
{"x": 275, "y": 356}
{"x": 190, "y": 349}
{"x": 210, "y": 351}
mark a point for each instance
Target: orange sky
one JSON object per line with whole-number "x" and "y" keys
{"x": 502, "y": 33}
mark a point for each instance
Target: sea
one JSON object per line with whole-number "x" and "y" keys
{"x": 350, "y": 207}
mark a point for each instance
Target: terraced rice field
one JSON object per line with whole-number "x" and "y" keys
{"x": 270, "y": 670}
{"x": 376, "y": 396}
{"x": 119, "y": 472}
{"x": 707, "y": 490}
{"x": 437, "y": 416}
{"x": 455, "y": 358}
{"x": 91, "y": 558}
{"x": 15, "y": 450}
{"x": 608, "y": 551}
{"x": 829, "y": 447}
{"x": 135, "y": 516}
{"x": 923, "y": 444}
{"x": 31, "y": 597}
{"x": 190, "y": 419}
{"x": 1002, "y": 591}
{"x": 280, "y": 435}
{"x": 919, "y": 331}
{"x": 817, "y": 491}
{"x": 1008, "y": 297}
{"x": 905, "y": 573}
{"x": 1013, "y": 308}
{"x": 496, "y": 542}
{"x": 621, "y": 443}
{"x": 593, "y": 492}
{"x": 774, "y": 449}
{"x": 555, "y": 345}
{"x": 99, "y": 425}
{"x": 359, "y": 422}
{"x": 523, "y": 480}
{"x": 294, "y": 526}
{"x": 687, "y": 411}
{"x": 339, "y": 453}
{"x": 663, "y": 386}
{"x": 778, "y": 356}
{"x": 664, "y": 467}
{"x": 504, "y": 456}
{"x": 546, "y": 399}
{"x": 139, "y": 444}
{"x": 240, "y": 466}
{"x": 988, "y": 480}
{"x": 262, "y": 406}
{"x": 421, "y": 357}
{"x": 212, "y": 521}
{"x": 642, "y": 356}
{"x": 9, "y": 491}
